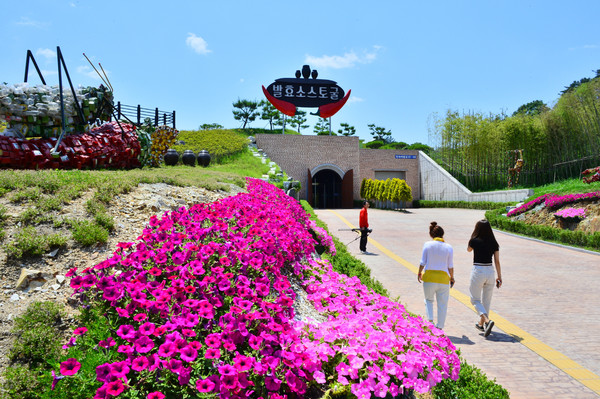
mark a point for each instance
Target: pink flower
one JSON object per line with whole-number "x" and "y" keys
{"x": 119, "y": 369}
{"x": 243, "y": 363}
{"x": 188, "y": 354}
{"x": 55, "y": 379}
{"x": 213, "y": 340}
{"x": 213, "y": 353}
{"x": 147, "y": 328}
{"x": 229, "y": 381}
{"x": 80, "y": 331}
{"x": 205, "y": 385}
{"x": 155, "y": 395}
{"x": 115, "y": 388}
{"x": 70, "y": 367}
{"x": 272, "y": 384}
{"x": 144, "y": 344}
{"x": 167, "y": 349}
{"x": 140, "y": 363}
{"x": 319, "y": 376}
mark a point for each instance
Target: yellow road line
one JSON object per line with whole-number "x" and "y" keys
{"x": 572, "y": 368}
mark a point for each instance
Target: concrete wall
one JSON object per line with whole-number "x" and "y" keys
{"x": 439, "y": 185}
{"x": 372, "y": 161}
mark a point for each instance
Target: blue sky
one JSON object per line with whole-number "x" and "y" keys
{"x": 405, "y": 62}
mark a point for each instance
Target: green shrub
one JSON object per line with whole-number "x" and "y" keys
{"x": 89, "y": 233}
{"x": 484, "y": 205}
{"x": 26, "y": 194}
{"x": 30, "y": 215}
{"x": 28, "y": 242}
{"x": 547, "y": 233}
{"x": 36, "y": 333}
{"x": 104, "y": 220}
{"x": 3, "y": 215}
{"x": 472, "y": 383}
{"x": 94, "y": 207}
{"x": 20, "y": 382}
{"x": 220, "y": 143}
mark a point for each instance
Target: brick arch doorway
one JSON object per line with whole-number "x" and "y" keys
{"x": 330, "y": 187}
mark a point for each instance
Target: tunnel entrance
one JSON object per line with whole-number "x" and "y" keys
{"x": 327, "y": 189}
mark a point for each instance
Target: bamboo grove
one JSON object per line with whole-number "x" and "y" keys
{"x": 387, "y": 193}
{"x": 556, "y": 143}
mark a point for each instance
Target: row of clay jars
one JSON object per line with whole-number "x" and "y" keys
{"x": 188, "y": 158}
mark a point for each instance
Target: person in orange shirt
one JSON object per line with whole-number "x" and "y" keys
{"x": 363, "y": 223}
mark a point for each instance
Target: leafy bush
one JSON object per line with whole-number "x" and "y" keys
{"x": 105, "y": 220}
{"x": 3, "y": 215}
{"x": 28, "y": 242}
{"x": 89, "y": 233}
{"x": 461, "y": 204}
{"x": 472, "y": 384}
{"x": 20, "y": 382}
{"x": 577, "y": 238}
{"x": 219, "y": 143}
{"x": 36, "y": 333}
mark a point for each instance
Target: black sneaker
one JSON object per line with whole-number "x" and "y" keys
{"x": 479, "y": 327}
{"x": 488, "y": 328}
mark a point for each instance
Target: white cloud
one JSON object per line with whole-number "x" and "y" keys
{"x": 88, "y": 71}
{"x": 348, "y": 60}
{"x": 588, "y": 46}
{"x": 354, "y": 99}
{"x": 25, "y": 21}
{"x": 46, "y": 52}
{"x": 197, "y": 44}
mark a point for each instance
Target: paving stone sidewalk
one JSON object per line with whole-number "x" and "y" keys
{"x": 549, "y": 293}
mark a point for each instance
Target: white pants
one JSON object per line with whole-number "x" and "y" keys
{"x": 441, "y": 293}
{"x": 481, "y": 288}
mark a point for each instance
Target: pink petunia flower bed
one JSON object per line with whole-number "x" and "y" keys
{"x": 202, "y": 305}
{"x": 553, "y": 201}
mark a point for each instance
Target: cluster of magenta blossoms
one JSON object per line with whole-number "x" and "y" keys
{"x": 553, "y": 201}
{"x": 202, "y": 306}
{"x": 528, "y": 205}
{"x": 571, "y": 213}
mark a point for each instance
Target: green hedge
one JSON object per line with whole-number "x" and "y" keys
{"x": 546, "y": 233}
{"x": 484, "y": 205}
{"x": 472, "y": 384}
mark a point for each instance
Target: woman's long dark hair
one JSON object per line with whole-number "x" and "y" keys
{"x": 483, "y": 230}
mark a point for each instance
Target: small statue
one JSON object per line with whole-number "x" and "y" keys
{"x": 514, "y": 172}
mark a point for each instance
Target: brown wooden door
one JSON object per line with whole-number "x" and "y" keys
{"x": 348, "y": 189}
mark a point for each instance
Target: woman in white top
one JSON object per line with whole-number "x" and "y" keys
{"x": 439, "y": 274}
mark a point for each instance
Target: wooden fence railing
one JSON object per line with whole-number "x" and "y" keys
{"x": 137, "y": 114}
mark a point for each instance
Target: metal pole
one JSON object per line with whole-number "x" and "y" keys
{"x": 54, "y": 151}
{"x": 283, "y": 128}
{"x": 173, "y": 119}
{"x": 156, "y": 117}
{"x": 329, "y": 125}
{"x": 139, "y": 112}
{"x": 30, "y": 57}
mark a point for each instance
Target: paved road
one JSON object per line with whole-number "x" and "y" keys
{"x": 546, "y": 342}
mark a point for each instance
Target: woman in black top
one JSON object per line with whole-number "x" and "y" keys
{"x": 485, "y": 247}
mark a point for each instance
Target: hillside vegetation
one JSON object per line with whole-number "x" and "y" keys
{"x": 555, "y": 143}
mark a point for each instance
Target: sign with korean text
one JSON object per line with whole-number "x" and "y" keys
{"x": 305, "y": 90}
{"x": 406, "y": 156}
